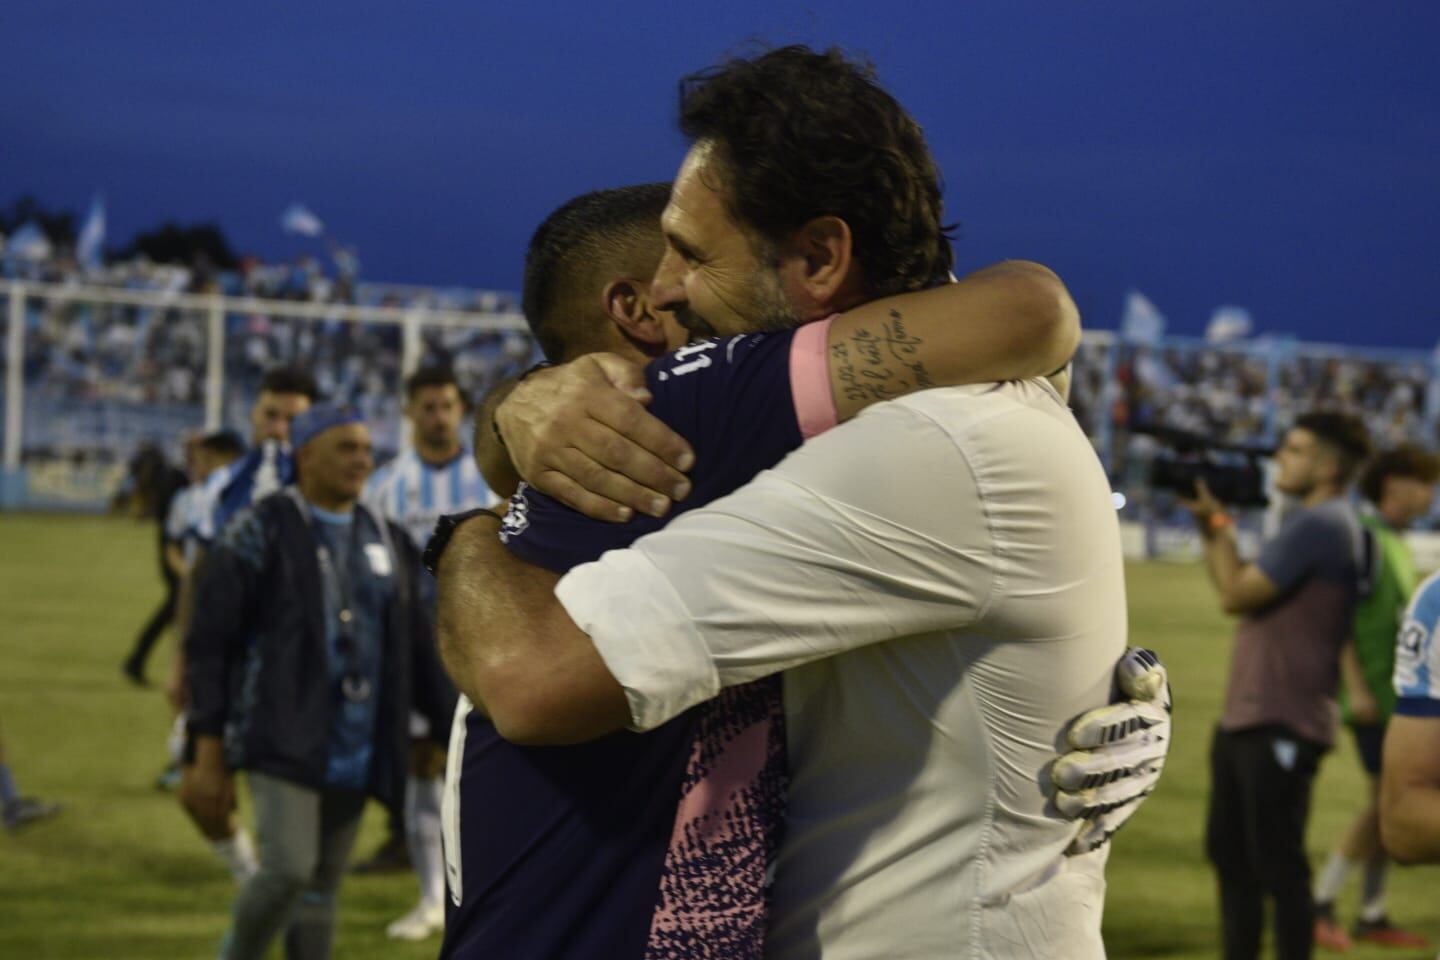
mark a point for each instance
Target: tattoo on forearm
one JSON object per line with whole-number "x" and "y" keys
{"x": 875, "y": 366}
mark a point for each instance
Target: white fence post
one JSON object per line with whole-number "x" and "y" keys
{"x": 215, "y": 365}
{"x": 411, "y": 350}
{"x": 15, "y": 377}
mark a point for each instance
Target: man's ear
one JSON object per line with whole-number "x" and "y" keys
{"x": 817, "y": 263}
{"x": 626, "y": 301}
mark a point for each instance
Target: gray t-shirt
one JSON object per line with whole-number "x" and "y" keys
{"x": 1286, "y": 665}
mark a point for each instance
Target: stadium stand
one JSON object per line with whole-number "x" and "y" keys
{"x": 110, "y": 360}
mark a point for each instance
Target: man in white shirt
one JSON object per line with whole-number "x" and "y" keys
{"x": 940, "y": 579}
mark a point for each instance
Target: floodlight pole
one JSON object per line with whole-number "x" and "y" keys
{"x": 14, "y": 376}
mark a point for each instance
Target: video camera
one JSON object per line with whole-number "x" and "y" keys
{"x": 1234, "y": 473}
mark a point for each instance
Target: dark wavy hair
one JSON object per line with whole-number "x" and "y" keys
{"x": 804, "y": 134}
{"x": 1409, "y": 460}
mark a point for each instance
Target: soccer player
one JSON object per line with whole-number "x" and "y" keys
{"x": 1298, "y": 602}
{"x": 307, "y": 642}
{"x": 1410, "y": 771}
{"x": 1399, "y": 489}
{"x": 435, "y": 476}
{"x": 783, "y": 587}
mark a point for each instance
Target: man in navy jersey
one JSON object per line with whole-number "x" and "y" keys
{"x": 879, "y": 351}
{"x": 628, "y": 890}
{"x": 436, "y": 475}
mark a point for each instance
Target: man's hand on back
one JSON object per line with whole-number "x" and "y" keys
{"x": 580, "y": 433}
{"x": 1117, "y": 752}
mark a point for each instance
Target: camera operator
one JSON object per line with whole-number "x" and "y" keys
{"x": 1297, "y": 603}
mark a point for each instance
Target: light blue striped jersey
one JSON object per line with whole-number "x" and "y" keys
{"x": 415, "y": 494}
{"x": 1417, "y": 653}
{"x": 230, "y": 489}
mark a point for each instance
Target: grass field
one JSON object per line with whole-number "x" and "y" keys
{"x": 122, "y": 875}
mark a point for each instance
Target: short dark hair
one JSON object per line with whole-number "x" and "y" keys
{"x": 1409, "y": 460}
{"x": 436, "y": 376}
{"x": 225, "y": 443}
{"x": 588, "y": 241}
{"x": 1343, "y": 433}
{"x": 801, "y": 135}
{"x": 290, "y": 380}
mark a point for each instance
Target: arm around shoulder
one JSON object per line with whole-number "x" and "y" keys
{"x": 1009, "y": 321}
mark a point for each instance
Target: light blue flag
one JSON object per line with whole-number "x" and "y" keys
{"x": 298, "y": 219}
{"x": 1141, "y": 322}
{"x": 90, "y": 248}
{"x": 29, "y": 243}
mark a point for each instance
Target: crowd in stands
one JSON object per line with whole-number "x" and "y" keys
{"x": 84, "y": 352}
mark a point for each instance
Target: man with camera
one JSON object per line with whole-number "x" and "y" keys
{"x": 1297, "y": 602}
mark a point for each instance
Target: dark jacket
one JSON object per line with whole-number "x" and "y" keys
{"x": 256, "y": 653}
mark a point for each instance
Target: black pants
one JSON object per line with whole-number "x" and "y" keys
{"x": 1259, "y": 804}
{"x": 152, "y": 630}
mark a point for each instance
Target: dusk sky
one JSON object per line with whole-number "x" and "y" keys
{"x": 1281, "y": 156}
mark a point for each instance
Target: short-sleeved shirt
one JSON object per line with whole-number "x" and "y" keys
{"x": 1378, "y": 614}
{"x": 261, "y": 472}
{"x": 941, "y": 580}
{"x": 1286, "y": 665}
{"x": 178, "y": 516}
{"x": 1417, "y": 654}
{"x": 415, "y": 493}
{"x": 561, "y": 850}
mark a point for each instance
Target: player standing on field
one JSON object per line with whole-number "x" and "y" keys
{"x": 435, "y": 476}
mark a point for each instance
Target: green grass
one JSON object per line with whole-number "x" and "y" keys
{"x": 123, "y": 875}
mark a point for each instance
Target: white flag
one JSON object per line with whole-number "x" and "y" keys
{"x": 1229, "y": 323}
{"x": 1142, "y": 322}
{"x": 89, "y": 248}
{"x": 298, "y": 219}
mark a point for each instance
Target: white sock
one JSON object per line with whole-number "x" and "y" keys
{"x": 1333, "y": 877}
{"x": 237, "y": 852}
{"x": 1373, "y": 907}
{"x": 422, "y": 835}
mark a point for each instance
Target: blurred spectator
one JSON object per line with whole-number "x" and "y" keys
{"x": 158, "y": 487}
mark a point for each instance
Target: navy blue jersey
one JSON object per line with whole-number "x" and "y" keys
{"x": 730, "y": 398}
{"x": 562, "y": 848}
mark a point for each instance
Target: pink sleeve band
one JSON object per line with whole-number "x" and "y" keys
{"x": 810, "y": 378}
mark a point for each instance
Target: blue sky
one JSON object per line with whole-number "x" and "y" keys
{"x": 1281, "y": 156}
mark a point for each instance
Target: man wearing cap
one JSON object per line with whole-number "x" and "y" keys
{"x": 304, "y": 649}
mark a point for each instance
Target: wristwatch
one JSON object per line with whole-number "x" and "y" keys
{"x": 445, "y": 528}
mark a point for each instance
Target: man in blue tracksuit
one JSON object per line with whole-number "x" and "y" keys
{"x": 302, "y": 655}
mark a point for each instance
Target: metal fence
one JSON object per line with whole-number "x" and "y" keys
{"x": 92, "y": 373}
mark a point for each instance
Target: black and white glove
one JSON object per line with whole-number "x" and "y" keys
{"x": 1117, "y": 752}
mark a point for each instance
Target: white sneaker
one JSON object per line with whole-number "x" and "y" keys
{"x": 419, "y": 924}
